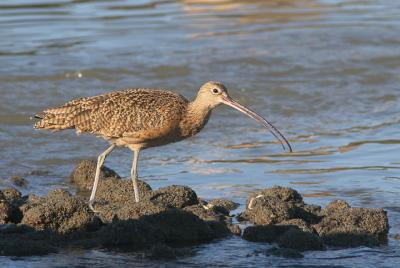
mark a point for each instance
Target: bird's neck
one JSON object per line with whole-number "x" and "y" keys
{"x": 195, "y": 118}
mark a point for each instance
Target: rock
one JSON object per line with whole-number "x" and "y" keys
{"x": 235, "y": 229}
{"x": 309, "y": 213}
{"x": 313, "y": 209}
{"x": 11, "y": 194}
{"x": 175, "y": 196}
{"x": 217, "y": 221}
{"x": 224, "y": 203}
{"x": 269, "y": 211}
{"x": 129, "y": 210}
{"x": 350, "y": 227}
{"x": 265, "y": 233}
{"x": 10, "y": 198}
{"x": 168, "y": 216}
{"x": 132, "y": 234}
{"x": 277, "y": 204}
{"x": 19, "y": 181}
{"x": 202, "y": 201}
{"x": 274, "y": 205}
{"x": 222, "y": 206}
{"x": 396, "y": 237}
{"x": 277, "y": 192}
{"x": 284, "y": 253}
{"x": 61, "y": 213}
{"x": 335, "y": 206}
{"x": 208, "y": 214}
{"x": 120, "y": 192}
{"x": 172, "y": 226}
{"x": 83, "y": 174}
{"x": 174, "y": 216}
{"x": 218, "y": 209}
{"x": 301, "y": 224}
{"x": 180, "y": 227}
{"x": 219, "y": 229}
{"x": 302, "y": 241}
{"x": 5, "y": 212}
{"x": 58, "y": 194}
{"x": 29, "y": 202}
{"x": 24, "y": 247}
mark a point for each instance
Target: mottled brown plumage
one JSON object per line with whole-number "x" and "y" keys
{"x": 142, "y": 118}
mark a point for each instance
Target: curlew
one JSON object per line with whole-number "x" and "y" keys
{"x": 142, "y": 118}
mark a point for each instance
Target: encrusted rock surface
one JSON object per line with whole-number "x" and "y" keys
{"x": 350, "y": 227}
{"x": 83, "y": 174}
{"x": 61, "y": 213}
{"x": 277, "y": 204}
{"x": 168, "y": 216}
{"x": 174, "y": 216}
{"x": 280, "y": 215}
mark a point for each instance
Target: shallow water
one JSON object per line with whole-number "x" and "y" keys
{"x": 325, "y": 72}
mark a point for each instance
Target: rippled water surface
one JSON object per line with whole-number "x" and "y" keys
{"x": 325, "y": 72}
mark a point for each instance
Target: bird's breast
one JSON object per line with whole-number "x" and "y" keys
{"x": 192, "y": 124}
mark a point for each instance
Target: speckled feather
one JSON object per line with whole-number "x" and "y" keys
{"x": 127, "y": 116}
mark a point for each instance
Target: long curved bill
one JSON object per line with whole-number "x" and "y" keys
{"x": 271, "y": 128}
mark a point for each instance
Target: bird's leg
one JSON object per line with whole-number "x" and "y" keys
{"x": 100, "y": 161}
{"x": 134, "y": 175}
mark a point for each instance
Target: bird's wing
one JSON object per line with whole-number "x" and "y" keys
{"x": 118, "y": 114}
{"x": 137, "y": 112}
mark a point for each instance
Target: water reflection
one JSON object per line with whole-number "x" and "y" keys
{"x": 306, "y": 182}
{"x": 260, "y": 160}
{"x": 260, "y": 16}
{"x": 354, "y": 145}
{"x": 201, "y": 6}
{"x": 332, "y": 170}
{"x": 318, "y": 194}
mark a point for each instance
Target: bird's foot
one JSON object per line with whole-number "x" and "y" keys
{"x": 92, "y": 208}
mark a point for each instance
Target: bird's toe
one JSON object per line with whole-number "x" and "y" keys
{"x": 92, "y": 208}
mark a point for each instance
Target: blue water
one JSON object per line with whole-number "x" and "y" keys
{"x": 325, "y": 72}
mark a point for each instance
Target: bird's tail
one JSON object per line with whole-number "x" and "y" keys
{"x": 59, "y": 118}
{"x": 38, "y": 116}
{"x": 50, "y": 121}
{"x": 73, "y": 114}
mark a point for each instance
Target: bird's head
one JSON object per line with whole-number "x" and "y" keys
{"x": 212, "y": 94}
{"x": 215, "y": 93}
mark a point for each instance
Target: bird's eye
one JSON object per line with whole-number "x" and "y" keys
{"x": 215, "y": 91}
